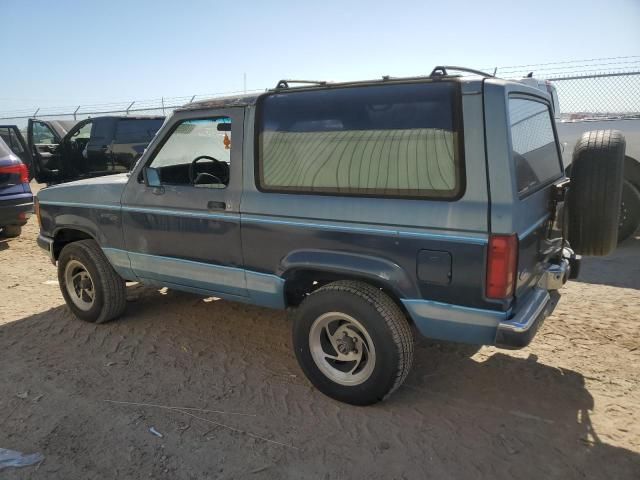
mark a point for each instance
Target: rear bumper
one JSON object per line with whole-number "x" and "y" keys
{"x": 16, "y": 210}
{"x": 518, "y": 331}
{"x": 512, "y": 329}
{"x": 485, "y": 327}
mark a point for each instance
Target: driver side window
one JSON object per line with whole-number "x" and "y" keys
{"x": 197, "y": 153}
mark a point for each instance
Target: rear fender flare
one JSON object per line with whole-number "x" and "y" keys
{"x": 379, "y": 271}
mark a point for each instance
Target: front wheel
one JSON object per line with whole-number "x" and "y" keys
{"x": 92, "y": 289}
{"x": 353, "y": 342}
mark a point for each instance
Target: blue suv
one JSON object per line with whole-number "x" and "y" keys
{"x": 374, "y": 210}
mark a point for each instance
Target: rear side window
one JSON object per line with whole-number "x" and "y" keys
{"x": 384, "y": 140}
{"x": 137, "y": 131}
{"x": 534, "y": 146}
{"x": 102, "y": 131}
{"x": 5, "y": 151}
{"x": 9, "y": 136}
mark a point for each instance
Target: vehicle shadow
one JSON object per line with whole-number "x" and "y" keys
{"x": 538, "y": 411}
{"x": 620, "y": 269}
{"x": 4, "y": 245}
{"x": 458, "y": 415}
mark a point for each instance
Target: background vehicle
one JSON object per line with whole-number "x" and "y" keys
{"x": 570, "y": 131}
{"x": 16, "y": 200}
{"x": 372, "y": 207}
{"x": 65, "y": 151}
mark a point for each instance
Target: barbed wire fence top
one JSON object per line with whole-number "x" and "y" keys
{"x": 592, "y": 88}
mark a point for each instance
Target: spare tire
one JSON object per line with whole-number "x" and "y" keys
{"x": 595, "y": 193}
{"x": 629, "y": 211}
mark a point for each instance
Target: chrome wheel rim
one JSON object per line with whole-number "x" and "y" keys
{"x": 79, "y": 285}
{"x": 342, "y": 348}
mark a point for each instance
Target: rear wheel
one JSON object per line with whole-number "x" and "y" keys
{"x": 353, "y": 342}
{"x": 629, "y": 211}
{"x": 11, "y": 231}
{"x": 92, "y": 289}
{"x": 595, "y": 192}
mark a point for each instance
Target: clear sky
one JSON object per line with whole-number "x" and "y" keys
{"x": 66, "y": 52}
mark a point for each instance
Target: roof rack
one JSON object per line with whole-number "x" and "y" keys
{"x": 441, "y": 71}
{"x": 285, "y": 83}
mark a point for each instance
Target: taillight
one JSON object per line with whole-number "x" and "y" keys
{"x": 501, "y": 266}
{"x": 20, "y": 169}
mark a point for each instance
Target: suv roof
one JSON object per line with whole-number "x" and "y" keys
{"x": 221, "y": 102}
{"x": 436, "y": 74}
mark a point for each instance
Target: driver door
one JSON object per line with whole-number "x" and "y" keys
{"x": 185, "y": 231}
{"x": 43, "y": 142}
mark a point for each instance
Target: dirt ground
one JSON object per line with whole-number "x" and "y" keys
{"x": 565, "y": 407}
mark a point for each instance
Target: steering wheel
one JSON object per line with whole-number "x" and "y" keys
{"x": 194, "y": 176}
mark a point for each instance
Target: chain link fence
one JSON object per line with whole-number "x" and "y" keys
{"x": 609, "y": 95}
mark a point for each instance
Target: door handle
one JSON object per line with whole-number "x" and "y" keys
{"x": 213, "y": 205}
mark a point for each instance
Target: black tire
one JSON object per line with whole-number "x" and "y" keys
{"x": 384, "y": 323}
{"x": 629, "y": 211}
{"x": 595, "y": 192}
{"x": 108, "y": 287}
{"x": 11, "y": 231}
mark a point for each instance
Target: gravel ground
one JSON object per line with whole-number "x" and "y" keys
{"x": 565, "y": 407}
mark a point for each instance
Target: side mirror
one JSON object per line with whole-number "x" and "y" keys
{"x": 151, "y": 177}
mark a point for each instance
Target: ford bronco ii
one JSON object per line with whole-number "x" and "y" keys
{"x": 372, "y": 209}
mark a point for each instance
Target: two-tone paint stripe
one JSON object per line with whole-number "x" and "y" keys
{"x": 252, "y": 218}
{"x": 219, "y": 280}
{"x": 433, "y": 319}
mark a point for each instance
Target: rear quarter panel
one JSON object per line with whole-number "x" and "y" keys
{"x": 528, "y": 216}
